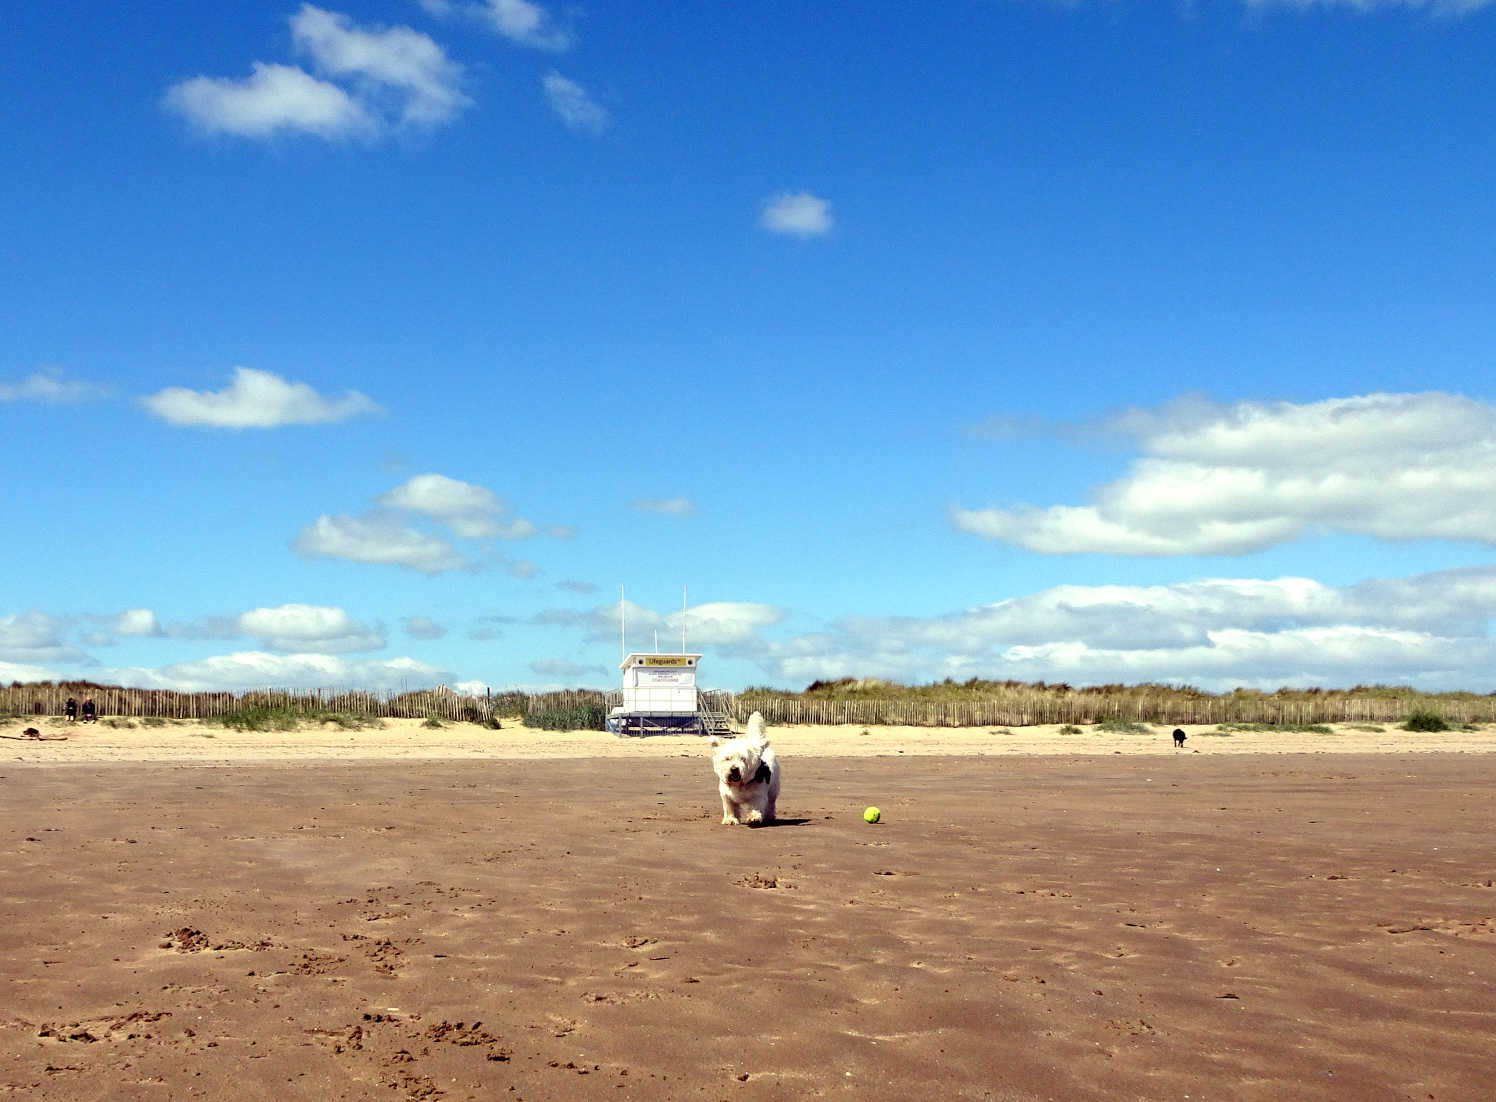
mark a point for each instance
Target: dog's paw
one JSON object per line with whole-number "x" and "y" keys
{"x": 730, "y": 820}
{"x": 753, "y": 818}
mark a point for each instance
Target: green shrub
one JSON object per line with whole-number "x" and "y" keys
{"x": 1118, "y": 726}
{"x": 434, "y": 723}
{"x": 1425, "y": 721}
{"x": 1070, "y": 729}
{"x": 261, "y": 717}
{"x": 582, "y": 717}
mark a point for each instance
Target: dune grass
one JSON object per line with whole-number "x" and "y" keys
{"x": 579, "y": 717}
{"x": 1115, "y": 725}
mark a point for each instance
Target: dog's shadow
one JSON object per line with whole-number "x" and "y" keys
{"x": 782, "y": 823}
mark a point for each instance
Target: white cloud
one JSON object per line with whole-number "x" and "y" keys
{"x": 527, "y": 24}
{"x": 377, "y": 539}
{"x": 261, "y": 670}
{"x": 18, "y": 671}
{"x": 423, "y": 627}
{"x": 35, "y": 637}
{"x": 573, "y": 104}
{"x": 523, "y": 23}
{"x": 271, "y": 100}
{"x": 798, "y": 214}
{"x": 472, "y": 512}
{"x": 1430, "y": 630}
{"x": 391, "y": 78}
{"x": 296, "y": 627}
{"x": 1239, "y": 479}
{"x": 424, "y": 81}
{"x": 469, "y": 511}
{"x": 136, "y": 621}
{"x": 713, "y": 623}
{"x": 1437, "y": 7}
{"x": 49, "y": 387}
{"x": 256, "y": 399}
{"x": 716, "y": 623}
{"x": 670, "y": 506}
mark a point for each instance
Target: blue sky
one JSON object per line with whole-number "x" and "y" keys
{"x": 377, "y": 344}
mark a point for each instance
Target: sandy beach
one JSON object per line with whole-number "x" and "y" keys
{"x": 410, "y": 913}
{"x": 409, "y": 739}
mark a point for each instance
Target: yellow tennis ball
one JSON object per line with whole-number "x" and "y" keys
{"x": 872, "y": 814}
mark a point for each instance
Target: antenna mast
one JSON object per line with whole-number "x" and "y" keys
{"x": 683, "y": 619}
{"x": 623, "y": 625}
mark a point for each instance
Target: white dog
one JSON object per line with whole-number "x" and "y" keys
{"x": 747, "y": 775}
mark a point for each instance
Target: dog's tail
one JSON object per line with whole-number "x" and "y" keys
{"x": 757, "y": 729}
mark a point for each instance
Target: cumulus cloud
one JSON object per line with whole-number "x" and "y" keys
{"x": 256, "y": 399}
{"x": 136, "y": 621}
{"x": 1430, "y": 630}
{"x": 797, "y": 214}
{"x": 1437, "y": 7}
{"x": 713, "y": 623}
{"x": 722, "y": 622}
{"x": 383, "y": 536}
{"x": 521, "y": 22}
{"x": 259, "y": 670}
{"x": 424, "y": 82}
{"x": 423, "y": 627}
{"x": 573, "y": 104}
{"x": 472, "y": 512}
{"x": 392, "y": 77}
{"x": 50, "y": 387}
{"x": 299, "y": 628}
{"x": 23, "y": 672}
{"x": 35, "y": 637}
{"x": 1245, "y": 477}
{"x": 273, "y": 99}
{"x": 377, "y": 539}
{"x": 669, "y": 506}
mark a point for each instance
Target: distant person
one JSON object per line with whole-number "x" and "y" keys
{"x": 70, "y": 709}
{"x": 90, "y": 713}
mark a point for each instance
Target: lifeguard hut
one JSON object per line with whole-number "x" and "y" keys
{"x": 660, "y": 696}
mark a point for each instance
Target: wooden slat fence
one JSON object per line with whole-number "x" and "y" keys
{"x": 1014, "y": 707}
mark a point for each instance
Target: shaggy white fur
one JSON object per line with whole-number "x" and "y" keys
{"x": 747, "y": 775}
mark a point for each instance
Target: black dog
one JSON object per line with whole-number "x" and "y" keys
{"x": 1178, "y": 738}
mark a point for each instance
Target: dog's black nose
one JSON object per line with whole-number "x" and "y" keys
{"x": 732, "y": 774}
